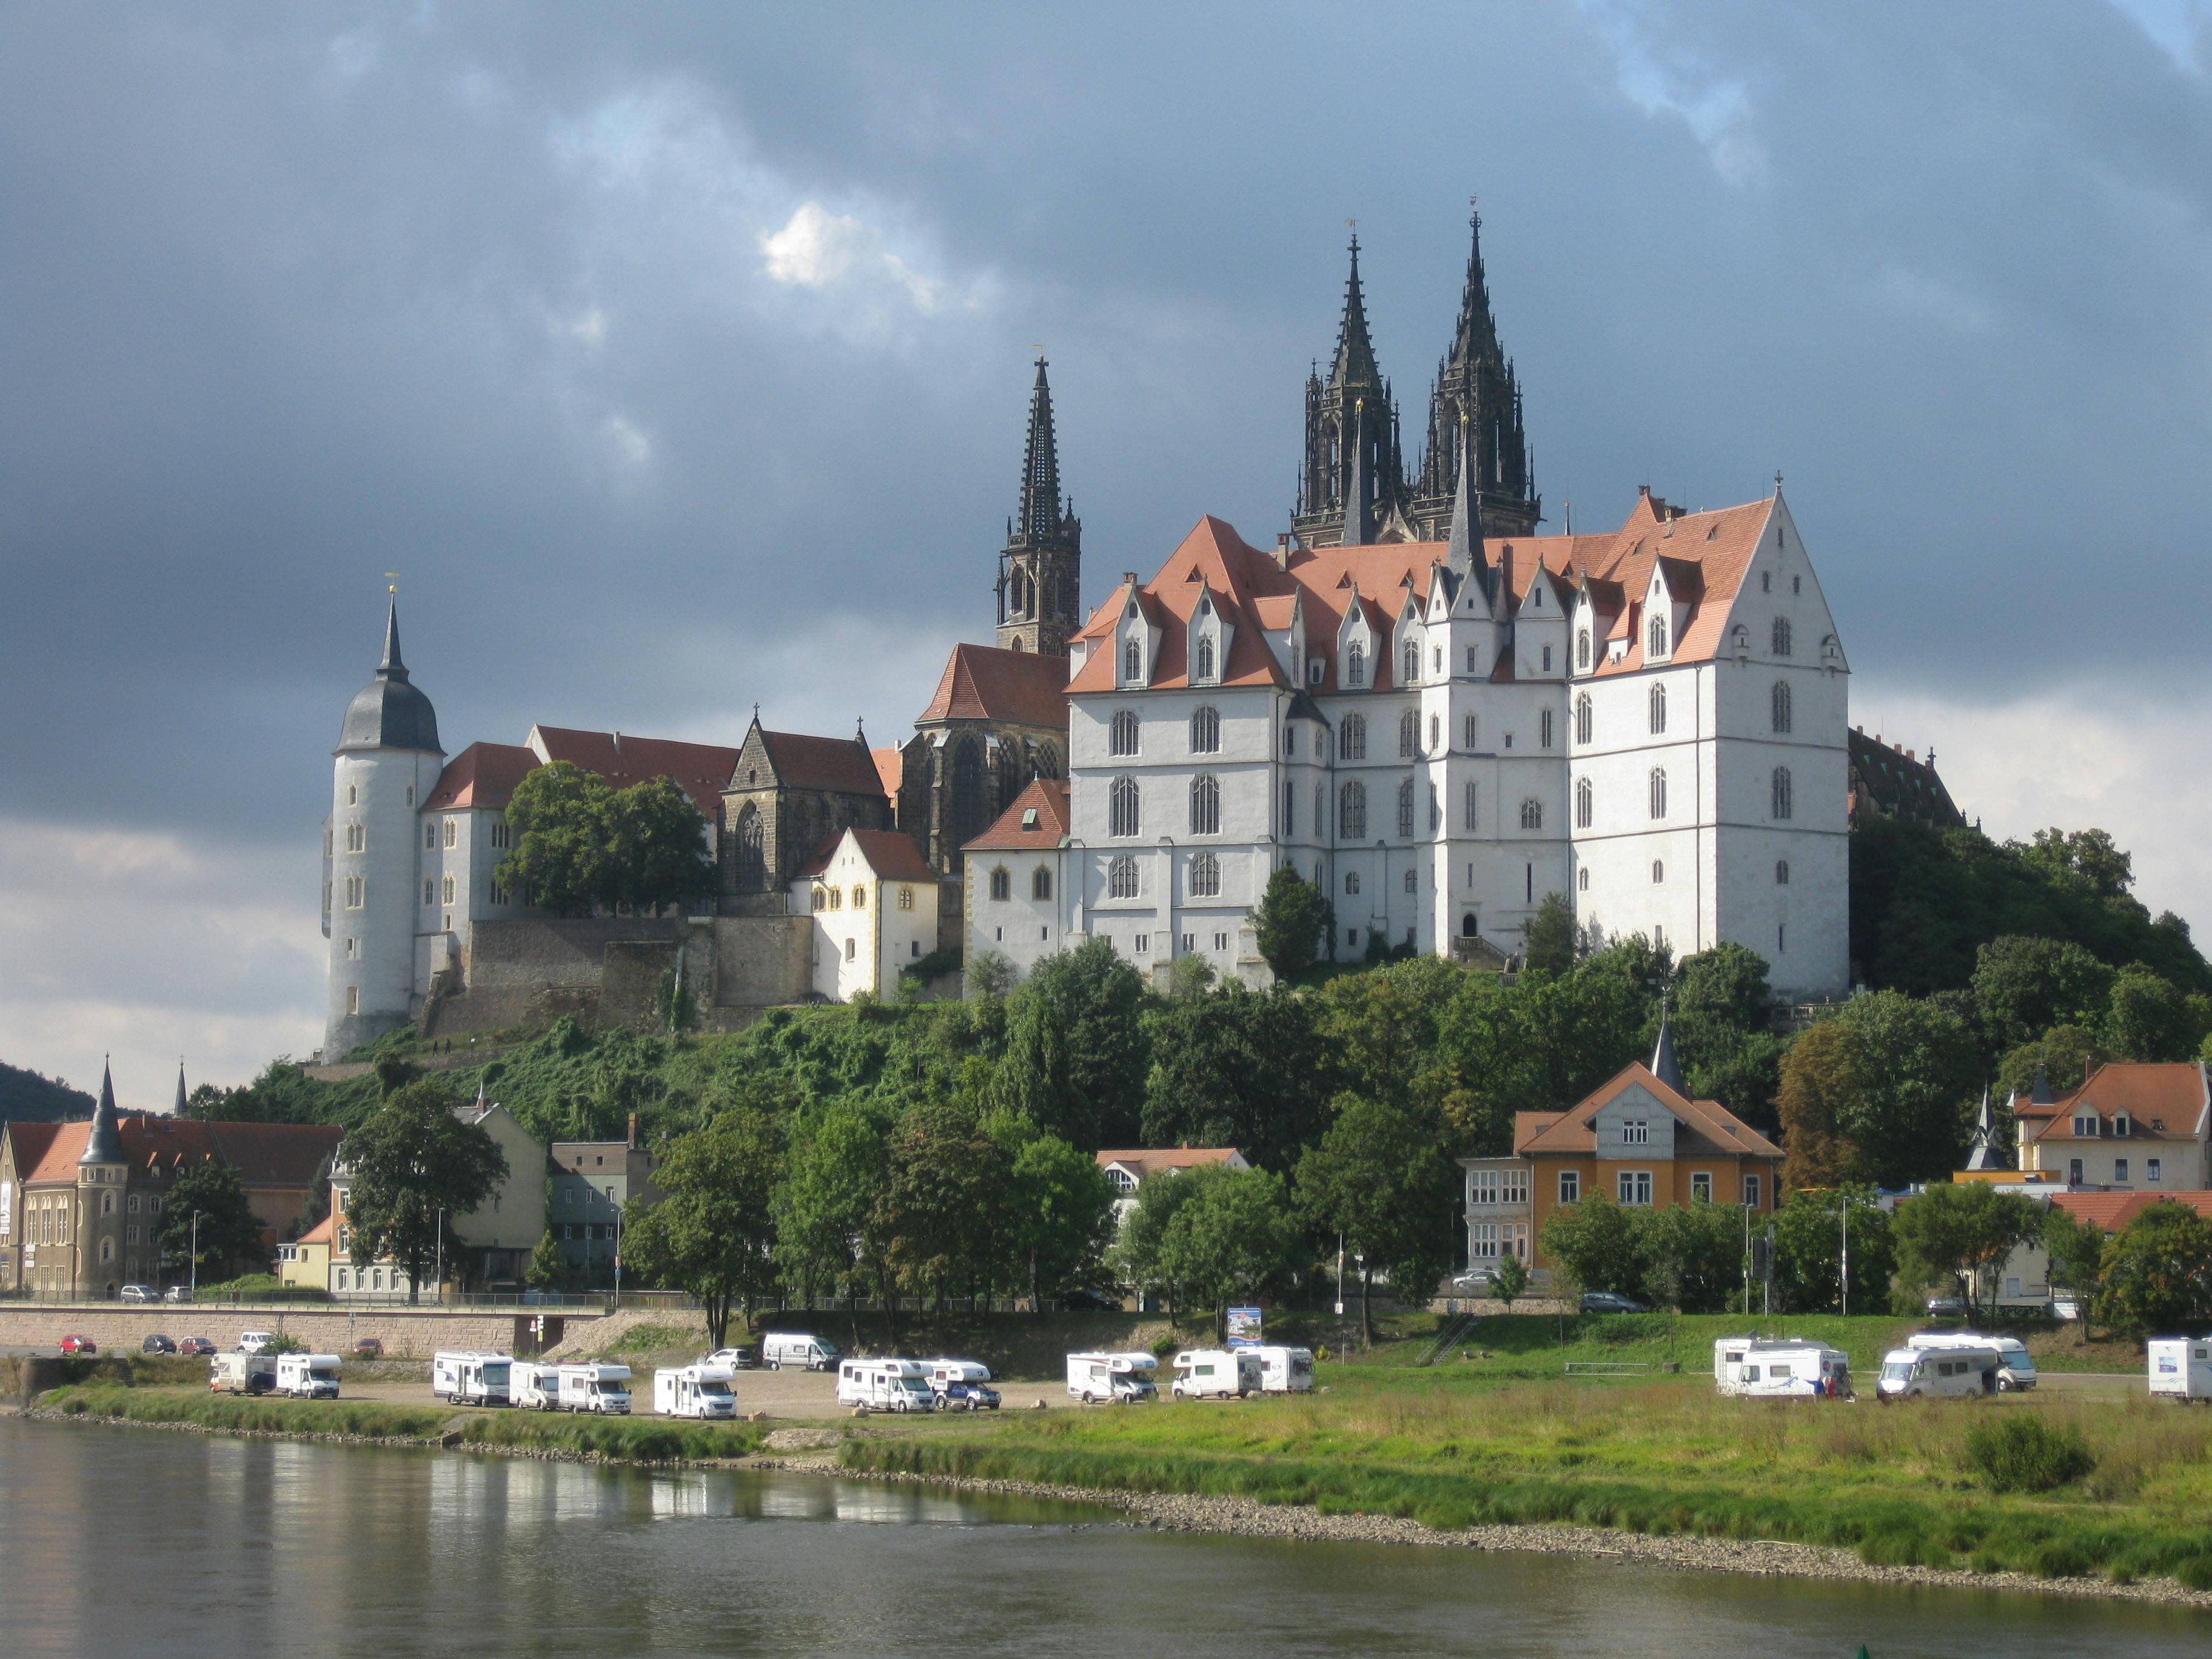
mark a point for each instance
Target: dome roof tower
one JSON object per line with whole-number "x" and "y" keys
{"x": 390, "y": 711}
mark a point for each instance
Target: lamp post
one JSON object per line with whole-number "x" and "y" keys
{"x": 196, "y": 1255}
{"x": 618, "y": 1256}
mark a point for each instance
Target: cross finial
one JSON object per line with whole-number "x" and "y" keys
{"x": 1777, "y": 481}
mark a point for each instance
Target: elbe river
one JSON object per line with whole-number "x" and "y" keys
{"x": 123, "y": 1541}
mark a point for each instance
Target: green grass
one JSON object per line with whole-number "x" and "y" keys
{"x": 1654, "y": 1455}
{"x": 646, "y": 1339}
{"x": 641, "y": 1439}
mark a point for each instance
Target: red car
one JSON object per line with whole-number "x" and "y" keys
{"x": 79, "y": 1345}
{"x": 198, "y": 1345}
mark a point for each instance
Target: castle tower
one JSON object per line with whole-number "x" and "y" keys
{"x": 100, "y": 1176}
{"x": 1041, "y": 572}
{"x": 1351, "y": 434}
{"x": 1476, "y": 388}
{"x": 388, "y": 762}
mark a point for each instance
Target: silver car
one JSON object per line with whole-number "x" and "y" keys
{"x": 139, "y": 1293}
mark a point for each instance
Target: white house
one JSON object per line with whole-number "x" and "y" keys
{"x": 1015, "y": 880}
{"x": 873, "y": 898}
{"x": 1129, "y": 1169}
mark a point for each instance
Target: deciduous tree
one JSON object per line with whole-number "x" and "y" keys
{"x": 1232, "y": 1236}
{"x": 1549, "y": 940}
{"x": 413, "y": 1162}
{"x": 1597, "y": 1245}
{"x": 1289, "y": 921}
{"x": 1236, "y": 1068}
{"x": 1954, "y": 1233}
{"x": 1809, "y": 1241}
{"x": 1822, "y": 1087}
{"x": 1920, "y": 1079}
{"x": 828, "y": 1226}
{"x": 712, "y": 1232}
{"x": 1075, "y": 1050}
{"x": 229, "y": 1231}
{"x": 1380, "y": 1178}
{"x": 2157, "y": 1274}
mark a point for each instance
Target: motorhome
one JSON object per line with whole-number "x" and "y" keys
{"x": 242, "y": 1373}
{"x": 885, "y": 1385}
{"x": 796, "y": 1350}
{"x": 534, "y": 1385}
{"x": 2015, "y": 1365}
{"x": 960, "y": 1385}
{"x": 470, "y": 1378}
{"x": 1781, "y": 1368}
{"x": 694, "y": 1391}
{"x": 308, "y": 1376}
{"x": 595, "y": 1386}
{"x": 2181, "y": 1367}
{"x": 1118, "y": 1377}
{"x": 1284, "y": 1370}
{"x": 1215, "y": 1374}
{"x": 1937, "y": 1373}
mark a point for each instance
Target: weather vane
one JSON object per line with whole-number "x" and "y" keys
{"x": 392, "y": 576}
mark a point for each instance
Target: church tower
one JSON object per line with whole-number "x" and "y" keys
{"x": 1041, "y": 572}
{"x": 1476, "y": 391}
{"x": 1351, "y": 440}
{"x": 387, "y": 763}
{"x": 102, "y": 1174}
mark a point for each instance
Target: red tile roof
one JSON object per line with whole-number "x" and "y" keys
{"x": 890, "y": 769}
{"x": 1713, "y": 1129}
{"x": 842, "y": 766}
{"x": 275, "y": 1154}
{"x": 1152, "y": 1160}
{"x": 263, "y": 1154}
{"x": 701, "y": 770}
{"x": 31, "y": 1140}
{"x": 482, "y": 775}
{"x": 1705, "y": 555}
{"x": 322, "y": 1233}
{"x": 890, "y": 853}
{"x": 2175, "y": 1094}
{"x": 1035, "y": 823}
{"x": 2113, "y": 1210}
{"x": 982, "y": 682}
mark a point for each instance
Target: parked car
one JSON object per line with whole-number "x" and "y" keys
{"x": 139, "y": 1293}
{"x": 1474, "y": 1279}
{"x": 1946, "y": 1306}
{"x": 1605, "y": 1301}
{"x": 368, "y": 1347}
{"x": 256, "y": 1341}
{"x": 1088, "y": 1301}
{"x": 157, "y": 1344}
{"x": 195, "y": 1345}
{"x": 74, "y": 1344}
{"x": 178, "y": 1293}
{"x": 737, "y": 1360}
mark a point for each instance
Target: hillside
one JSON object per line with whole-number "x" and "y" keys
{"x": 33, "y": 1097}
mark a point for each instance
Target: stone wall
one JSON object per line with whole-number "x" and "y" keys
{"x": 542, "y": 951}
{"x": 325, "y": 1327}
{"x": 759, "y": 962}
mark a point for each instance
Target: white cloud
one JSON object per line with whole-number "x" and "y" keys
{"x": 2082, "y": 756}
{"x": 626, "y": 445}
{"x": 2175, "y": 26}
{"x": 820, "y": 249}
{"x": 1668, "y": 78}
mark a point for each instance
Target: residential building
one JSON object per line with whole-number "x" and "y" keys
{"x": 1639, "y": 1138}
{"x": 1130, "y": 1169}
{"x": 874, "y": 900}
{"x": 304, "y": 1263}
{"x": 1014, "y": 882}
{"x": 2026, "y": 1279}
{"x": 2131, "y": 1126}
{"x": 592, "y": 1181}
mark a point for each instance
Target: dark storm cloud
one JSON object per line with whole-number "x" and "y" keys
{"x": 294, "y": 296}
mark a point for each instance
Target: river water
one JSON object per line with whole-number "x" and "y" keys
{"x": 118, "y": 1540}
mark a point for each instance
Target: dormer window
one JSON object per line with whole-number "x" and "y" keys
{"x": 1635, "y": 1132}
{"x": 1655, "y": 637}
{"x": 1132, "y": 661}
{"x": 2085, "y": 1125}
{"x": 1205, "y": 657}
{"x": 1355, "y": 664}
{"x": 1316, "y": 671}
{"x": 2121, "y": 1126}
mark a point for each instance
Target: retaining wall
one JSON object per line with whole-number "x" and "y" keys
{"x": 406, "y": 1333}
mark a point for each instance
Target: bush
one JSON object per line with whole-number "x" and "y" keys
{"x": 2019, "y": 1453}
{"x": 2195, "y": 1572}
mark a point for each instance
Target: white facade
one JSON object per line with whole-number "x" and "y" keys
{"x": 1017, "y": 905}
{"x": 874, "y": 906}
{"x": 372, "y": 872}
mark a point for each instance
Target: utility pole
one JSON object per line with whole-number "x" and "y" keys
{"x": 1845, "y": 1260}
{"x": 196, "y": 1255}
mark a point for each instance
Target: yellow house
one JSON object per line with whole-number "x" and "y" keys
{"x": 305, "y": 1263}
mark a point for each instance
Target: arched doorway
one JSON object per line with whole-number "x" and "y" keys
{"x": 1468, "y": 927}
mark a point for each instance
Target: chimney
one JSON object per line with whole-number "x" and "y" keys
{"x": 633, "y": 1132}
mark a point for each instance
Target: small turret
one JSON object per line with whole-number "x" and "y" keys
{"x": 103, "y": 1143}
{"x": 1664, "y": 1066}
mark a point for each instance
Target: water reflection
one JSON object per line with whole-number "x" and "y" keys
{"x": 118, "y": 1540}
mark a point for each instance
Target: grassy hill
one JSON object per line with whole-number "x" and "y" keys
{"x": 33, "y": 1097}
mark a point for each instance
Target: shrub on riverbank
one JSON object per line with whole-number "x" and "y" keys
{"x": 2025, "y": 1454}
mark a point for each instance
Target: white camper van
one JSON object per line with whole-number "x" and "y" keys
{"x": 694, "y": 1391}
{"x": 595, "y": 1387}
{"x": 534, "y": 1385}
{"x": 796, "y": 1350}
{"x": 1117, "y": 1378}
{"x": 885, "y": 1385}
{"x": 471, "y": 1378}
{"x": 2181, "y": 1367}
{"x": 242, "y": 1373}
{"x": 1937, "y": 1373}
{"x": 1780, "y": 1369}
{"x": 1284, "y": 1370}
{"x": 308, "y": 1376}
{"x": 1215, "y": 1374}
{"x": 2015, "y": 1365}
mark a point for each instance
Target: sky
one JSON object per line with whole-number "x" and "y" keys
{"x": 675, "y": 358}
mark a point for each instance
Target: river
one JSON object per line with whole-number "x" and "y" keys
{"x": 117, "y": 1540}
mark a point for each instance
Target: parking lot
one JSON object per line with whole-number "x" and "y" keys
{"x": 779, "y": 1394}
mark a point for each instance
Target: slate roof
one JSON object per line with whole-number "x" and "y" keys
{"x": 840, "y": 766}
{"x": 1036, "y": 821}
{"x": 982, "y": 682}
{"x": 390, "y": 711}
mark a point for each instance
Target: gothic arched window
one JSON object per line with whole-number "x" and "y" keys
{"x": 751, "y": 857}
{"x": 1658, "y": 791}
{"x": 1655, "y": 637}
{"x": 1121, "y": 877}
{"x": 1406, "y": 809}
{"x": 1783, "y": 801}
{"x": 971, "y": 813}
{"x": 1044, "y": 762}
{"x": 1040, "y": 882}
{"x": 1204, "y": 804}
{"x": 1351, "y": 812}
{"x": 1782, "y": 872}
{"x": 1412, "y": 673}
{"x": 1356, "y": 665}
{"x": 1122, "y": 739}
{"x": 1351, "y": 738}
{"x": 1532, "y": 814}
{"x": 1122, "y": 807}
{"x": 1205, "y": 658}
{"x": 1582, "y": 718}
{"x": 1352, "y": 884}
{"x": 1409, "y": 734}
{"x": 1413, "y": 881}
{"x": 1658, "y": 701}
{"x": 1585, "y": 804}
{"x": 1581, "y": 648}
{"x": 1002, "y": 883}
{"x": 1205, "y": 876}
{"x": 1781, "y": 706}
{"x": 1206, "y": 730}
{"x": 1781, "y": 638}
{"x": 1133, "y": 662}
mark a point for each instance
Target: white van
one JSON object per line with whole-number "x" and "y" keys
{"x": 595, "y": 1387}
{"x": 256, "y": 1341}
{"x": 2015, "y": 1365}
{"x": 1780, "y": 1369}
{"x": 1284, "y": 1370}
{"x": 694, "y": 1391}
{"x": 242, "y": 1373}
{"x": 1937, "y": 1373}
{"x": 1117, "y": 1378}
{"x": 471, "y": 1378}
{"x": 885, "y": 1385}
{"x": 2181, "y": 1367}
{"x": 785, "y": 1350}
{"x": 1215, "y": 1374}
{"x": 308, "y": 1376}
{"x": 534, "y": 1385}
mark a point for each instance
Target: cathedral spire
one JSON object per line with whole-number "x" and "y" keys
{"x": 392, "y": 667}
{"x": 183, "y": 1099}
{"x": 1358, "y": 498}
{"x": 1355, "y": 366}
{"x": 1040, "y": 505}
{"x": 1476, "y": 334}
{"x": 1476, "y": 387}
{"x": 1463, "y": 550}
{"x": 103, "y": 1142}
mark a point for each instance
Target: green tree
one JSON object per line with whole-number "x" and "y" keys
{"x": 2085, "y": 858}
{"x": 1380, "y": 1178}
{"x": 1381, "y": 1027}
{"x": 2157, "y": 1274}
{"x": 413, "y": 1162}
{"x": 1547, "y": 944}
{"x": 557, "y": 816}
{"x": 1810, "y": 1242}
{"x": 229, "y": 1231}
{"x": 989, "y": 974}
{"x": 2068, "y": 1053}
{"x": 1823, "y": 1088}
{"x": 1236, "y": 1068}
{"x": 1722, "y": 1027}
{"x": 829, "y": 1226}
{"x": 549, "y": 1268}
{"x": 656, "y": 846}
{"x": 1059, "y": 1212}
{"x": 1508, "y": 1279}
{"x": 1289, "y": 921}
{"x": 1598, "y": 1245}
{"x": 712, "y": 1232}
{"x": 2077, "y": 1256}
{"x": 1920, "y": 1082}
{"x": 2148, "y": 1018}
{"x": 1075, "y": 1049}
{"x": 1952, "y": 1234}
{"x": 2023, "y": 987}
{"x": 1232, "y": 1236}
{"x": 942, "y": 1175}
{"x": 1696, "y": 1255}
{"x": 1141, "y": 1255}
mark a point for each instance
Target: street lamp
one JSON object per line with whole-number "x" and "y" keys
{"x": 196, "y": 1255}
